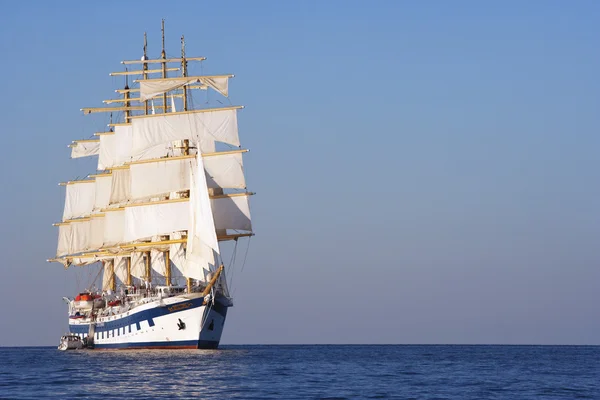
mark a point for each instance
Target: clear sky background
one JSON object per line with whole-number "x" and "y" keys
{"x": 427, "y": 172}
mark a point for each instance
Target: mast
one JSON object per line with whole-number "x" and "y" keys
{"x": 184, "y": 73}
{"x": 126, "y": 97}
{"x": 186, "y": 143}
{"x": 128, "y": 283}
{"x": 148, "y": 276}
{"x": 163, "y": 56}
{"x": 145, "y": 68}
{"x": 167, "y": 268}
{"x": 148, "y": 255}
{"x": 112, "y": 282}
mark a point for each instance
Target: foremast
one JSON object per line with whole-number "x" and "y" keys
{"x": 117, "y": 217}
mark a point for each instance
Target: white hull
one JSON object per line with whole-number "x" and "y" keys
{"x": 173, "y": 322}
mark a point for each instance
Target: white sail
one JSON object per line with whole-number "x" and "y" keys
{"x": 199, "y": 126}
{"x": 200, "y": 260}
{"x": 155, "y": 219}
{"x": 163, "y": 176}
{"x": 123, "y": 142}
{"x": 96, "y": 232}
{"x": 85, "y": 148}
{"x": 224, "y": 171}
{"x": 116, "y": 149}
{"x": 161, "y": 150}
{"x": 177, "y": 255}
{"x": 148, "y": 220}
{"x": 79, "y": 199}
{"x": 114, "y": 222}
{"x": 120, "y": 186}
{"x": 202, "y": 238}
{"x": 80, "y": 261}
{"x": 120, "y": 264}
{"x": 152, "y": 179}
{"x": 218, "y": 83}
{"x": 64, "y": 239}
{"x": 108, "y": 151}
{"x": 107, "y": 274}
{"x": 158, "y": 262}
{"x": 80, "y": 236}
{"x": 102, "y": 192}
{"x": 193, "y": 214}
{"x": 138, "y": 269}
{"x": 150, "y": 88}
{"x": 195, "y": 265}
{"x": 232, "y": 213}
{"x": 145, "y": 221}
{"x": 202, "y": 224}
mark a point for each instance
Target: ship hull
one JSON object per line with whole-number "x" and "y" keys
{"x": 179, "y": 322}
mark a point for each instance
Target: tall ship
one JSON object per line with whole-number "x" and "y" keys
{"x": 166, "y": 203}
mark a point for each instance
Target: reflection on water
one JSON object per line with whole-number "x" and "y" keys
{"x": 452, "y": 372}
{"x": 160, "y": 373}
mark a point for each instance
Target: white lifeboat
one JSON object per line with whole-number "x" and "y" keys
{"x": 84, "y": 301}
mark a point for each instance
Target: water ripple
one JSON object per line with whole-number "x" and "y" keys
{"x": 306, "y": 372}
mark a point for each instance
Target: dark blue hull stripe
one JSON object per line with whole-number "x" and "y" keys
{"x": 202, "y": 344}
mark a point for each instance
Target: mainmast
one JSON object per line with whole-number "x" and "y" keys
{"x": 147, "y": 254}
{"x": 163, "y": 56}
{"x": 186, "y": 142}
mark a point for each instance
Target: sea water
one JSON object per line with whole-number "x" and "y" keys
{"x": 305, "y": 372}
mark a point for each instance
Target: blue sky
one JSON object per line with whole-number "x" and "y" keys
{"x": 427, "y": 172}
